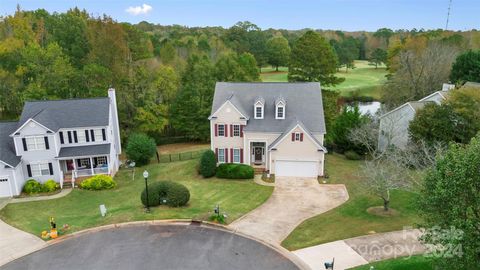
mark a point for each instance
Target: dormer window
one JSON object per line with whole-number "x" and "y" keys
{"x": 258, "y": 110}
{"x": 280, "y": 108}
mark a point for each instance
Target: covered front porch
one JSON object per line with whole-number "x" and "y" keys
{"x": 258, "y": 156}
{"x": 91, "y": 160}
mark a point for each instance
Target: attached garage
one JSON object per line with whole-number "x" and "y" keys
{"x": 296, "y": 168}
{"x": 5, "y": 187}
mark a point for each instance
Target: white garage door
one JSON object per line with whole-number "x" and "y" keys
{"x": 296, "y": 168}
{"x": 4, "y": 187}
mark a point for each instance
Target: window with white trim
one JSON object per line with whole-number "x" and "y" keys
{"x": 84, "y": 162}
{"x": 101, "y": 160}
{"x": 221, "y": 155}
{"x": 280, "y": 112}
{"x": 297, "y": 136}
{"x": 221, "y": 130}
{"x": 81, "y": 136}
{"x": 40, "y": 169}
{"x": 236, "y": 155}
{"x": 98, "y": 135}
{"x": 259, "y": 111}
{"x": 35, "y": 143}
{"x": 236, "y": 130}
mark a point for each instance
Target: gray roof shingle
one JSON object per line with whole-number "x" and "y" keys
{"x": 69, "y": 113}
{"x": 304, "y": 104}
{"x": 86, "y": 150}
{"x": 7, "y": 149}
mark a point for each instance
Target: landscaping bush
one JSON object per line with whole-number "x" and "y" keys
{"x": 208, "y": 164}
{"x": 32, "y": 186}
{"x": 175, "y": 194}
{"x": 140, "y": 148}
{"x": 352, "y": 155}
{"x": 235, "y": 171}
{"x": 50, "y": 186}
{"x": 98, "y": 182}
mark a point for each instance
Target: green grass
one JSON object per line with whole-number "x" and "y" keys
{"x": 80, "y": 209}
{"x": 363, "y": 80}
{"x": 418, "y": 262}
{"x": 351, "y": 219}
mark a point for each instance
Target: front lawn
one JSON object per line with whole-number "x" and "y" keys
{"x": 351, "y": 219}
{"x": 418, "y": 262}
{"x": 80, "y": 209}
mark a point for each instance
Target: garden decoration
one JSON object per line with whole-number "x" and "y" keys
{"x": 53, "y": 228}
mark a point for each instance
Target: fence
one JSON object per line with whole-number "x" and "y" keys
{"x": 165, "y": 158}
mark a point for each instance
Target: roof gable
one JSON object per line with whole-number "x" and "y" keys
{"x": 304, "y": 103}
{"x": 290, "y": 130}
{"x": 70, "y": 113}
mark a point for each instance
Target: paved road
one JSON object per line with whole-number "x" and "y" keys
{"x": 293, "y": 200}
{"x": 362, "y": 250}
{"x": 155, "y": 247}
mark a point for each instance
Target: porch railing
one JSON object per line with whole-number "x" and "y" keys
{"x": 90, "y": 172}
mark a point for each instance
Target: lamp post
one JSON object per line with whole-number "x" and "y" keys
{"x": 145, "y": 175}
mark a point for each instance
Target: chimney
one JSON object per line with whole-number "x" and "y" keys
{"x": 115, "y": 123}
{"x": 448, "y": 86}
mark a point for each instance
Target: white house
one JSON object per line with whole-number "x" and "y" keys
{"x": 61, "y": 140}
{"x": 277, "y": 127}
{"x": 394, "y": 124}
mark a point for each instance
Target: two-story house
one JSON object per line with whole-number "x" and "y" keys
{"x": 393, "y": 130}
{"x": 277, "y": 127}
{"x": 63, "y": 140}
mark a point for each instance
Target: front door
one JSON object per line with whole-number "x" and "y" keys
{"x": 258, "y": 152}
{"x": 69, "y": 165}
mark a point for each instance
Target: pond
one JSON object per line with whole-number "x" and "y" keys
{"x": 368, "y": 107}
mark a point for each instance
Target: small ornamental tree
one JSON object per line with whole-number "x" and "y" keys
{"x": 140, "y": 148}
{"x": 208, "y": 164}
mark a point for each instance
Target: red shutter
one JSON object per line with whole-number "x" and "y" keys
{"x": 241, "y": 155}
{"x": 231, "y": 154}
{"x": 301, "y": 137}
{"x": 241, "y": 130}
{"x": 226, "y": 155}
{"x": 231, "y": 130}
{"x": 216, "y": 130}
{"x": 216, "y": 154}
{"x": 225, "y": 127}
{"x": 293, "y": 137}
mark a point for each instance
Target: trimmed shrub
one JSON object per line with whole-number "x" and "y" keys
{"x": 174, "y": 194}
{"x": 208, "y": 164}
{"x": 140, "y": 148}
{"x": 50, "y": 186}
{"x": 235, "y": 171}
{"x": 352, "y": 155}
{"x": 32, "y": 186}
{"x": 98, "y": 182}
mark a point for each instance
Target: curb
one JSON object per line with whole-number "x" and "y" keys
{"x": 179, "y": 222}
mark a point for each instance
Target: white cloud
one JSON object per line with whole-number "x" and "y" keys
{"x": 143, "y": 9}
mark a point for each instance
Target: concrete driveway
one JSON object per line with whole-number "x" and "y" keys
{"x": 15, "y": 243}
{"x": 293, "y": 200}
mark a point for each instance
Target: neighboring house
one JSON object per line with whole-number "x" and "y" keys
{"x": 61, "y": 140}
{"x": 394, "y": 124}
{"x": 276, "y": 127}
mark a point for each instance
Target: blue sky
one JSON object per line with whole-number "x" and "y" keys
{"x": 346, "y": 15}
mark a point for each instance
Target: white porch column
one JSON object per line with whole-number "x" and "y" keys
{"x": 91, "y": 165}
{"x": 109, "y": 166}
{"x": 61, "y": 174}
{"x": 74, "y": 172}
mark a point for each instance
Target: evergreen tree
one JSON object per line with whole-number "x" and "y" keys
{"x": 466, "y": 67}
{"x": 313, "y": 60}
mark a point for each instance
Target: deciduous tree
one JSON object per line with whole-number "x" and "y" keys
{"x": 278, "y": 51}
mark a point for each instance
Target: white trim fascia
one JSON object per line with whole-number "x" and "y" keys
{"x": 298, "y": 160}
{"x": 11, "y": 167}
{"x": 396, "y": 109}
{"x": 30, "y": 119}
{"x": 211, "y": 135}
{"x": 235, "y": 107}
{"x": 305, "y": 132}
{"x": 433, "y": 94}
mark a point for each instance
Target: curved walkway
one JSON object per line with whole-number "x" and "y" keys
{"x": 15, "y": 243}
{"x": 293, "y": 200}
{"x": 362, "y": 250}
